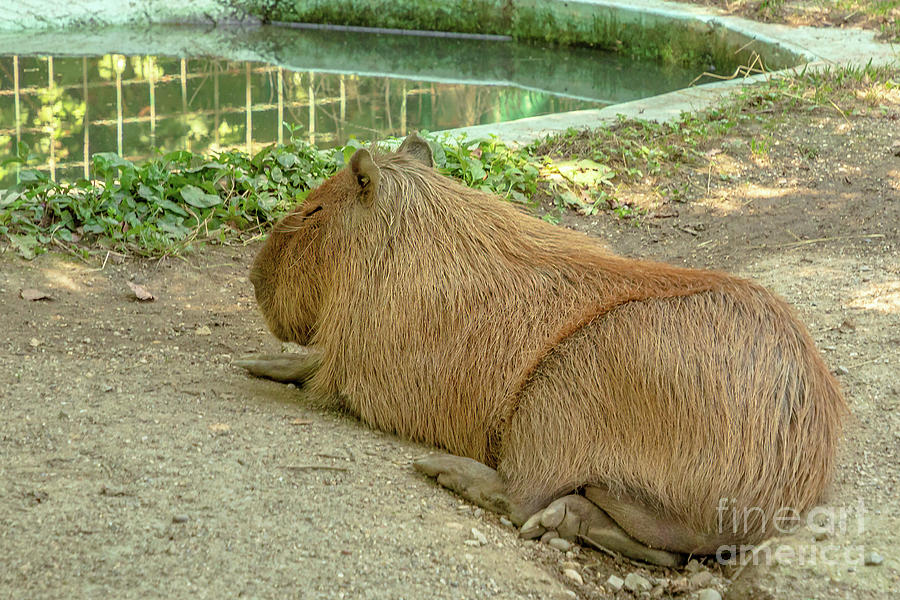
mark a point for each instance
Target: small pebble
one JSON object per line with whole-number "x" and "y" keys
{"x": 560, "y": 544}
{"x": 180, "y": 518}
{"x": 506, "y": 522}
{"x": 701, "y": 579}
{"x": 693, "y": 566}
{"x": 873, "y": 559}
{"x": 679, "y": 585}
{"x": 841, "y": 370}
{"x": 709, "y": 594}
{"x": 479, "y": 537}
{"x": 549, "y": 535}
{"x": 574, "y": 576}
{"x": 636, "y": 583}
{"x": 615, "y": 583}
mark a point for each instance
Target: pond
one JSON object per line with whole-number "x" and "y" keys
{"x": 326, "y": 85}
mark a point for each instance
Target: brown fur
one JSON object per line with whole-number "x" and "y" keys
{"x": 452, "y": 318}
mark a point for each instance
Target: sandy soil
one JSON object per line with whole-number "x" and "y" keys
{"x": 880, "y": 15}
{"x": 137, "y": 461}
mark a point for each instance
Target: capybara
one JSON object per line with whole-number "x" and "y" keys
{"x": 654, "y": 410}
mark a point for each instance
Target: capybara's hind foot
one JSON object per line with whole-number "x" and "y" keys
{"x": 292, "y": 367}
{"x": 575, "y": 517}
{"x": 474, "y": 481}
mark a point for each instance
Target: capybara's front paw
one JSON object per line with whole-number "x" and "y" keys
{"x": 288, "y": 368}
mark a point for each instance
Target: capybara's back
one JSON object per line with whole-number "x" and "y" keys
{"x": 689, "y": 405}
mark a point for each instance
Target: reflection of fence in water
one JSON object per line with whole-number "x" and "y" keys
{"x": 305, "y": 98}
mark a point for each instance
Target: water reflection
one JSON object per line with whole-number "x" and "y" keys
{"x": 68, "y": 108}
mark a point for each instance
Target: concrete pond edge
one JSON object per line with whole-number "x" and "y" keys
{"x": 818, "y": 48}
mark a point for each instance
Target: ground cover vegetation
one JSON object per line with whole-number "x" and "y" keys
{"x": 177, "y": 201}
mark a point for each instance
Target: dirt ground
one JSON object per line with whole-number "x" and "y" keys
{"x": 137, "y": 461}
{"x": 879, "y": 15}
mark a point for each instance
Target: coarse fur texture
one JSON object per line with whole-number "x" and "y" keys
{"x": 448, "y": 316}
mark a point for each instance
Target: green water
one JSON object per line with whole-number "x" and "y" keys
{"x": 327, "y": 85}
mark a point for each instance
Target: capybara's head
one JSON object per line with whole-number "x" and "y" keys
{"x": 296, "y": 266}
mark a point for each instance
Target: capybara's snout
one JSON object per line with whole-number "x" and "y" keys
{"x": 256, "y": 278}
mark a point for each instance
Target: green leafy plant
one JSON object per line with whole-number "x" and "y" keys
{"x": 162, "y": 206}
{"x": 490, "y": 165}
{"x": 170, "y": 203}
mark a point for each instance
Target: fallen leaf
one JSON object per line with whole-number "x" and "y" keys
{"x": 33, "y": 295}
{"x": 140, "y": 292}
{"x": 219, "y": 427}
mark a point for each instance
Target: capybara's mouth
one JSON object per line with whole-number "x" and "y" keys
{"x": 255, "y": 277}
{"x": 289, "y": 333}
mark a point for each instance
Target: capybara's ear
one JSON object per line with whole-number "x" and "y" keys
{"x": 418, "y": 148}
{"x": 367, "y": 175}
